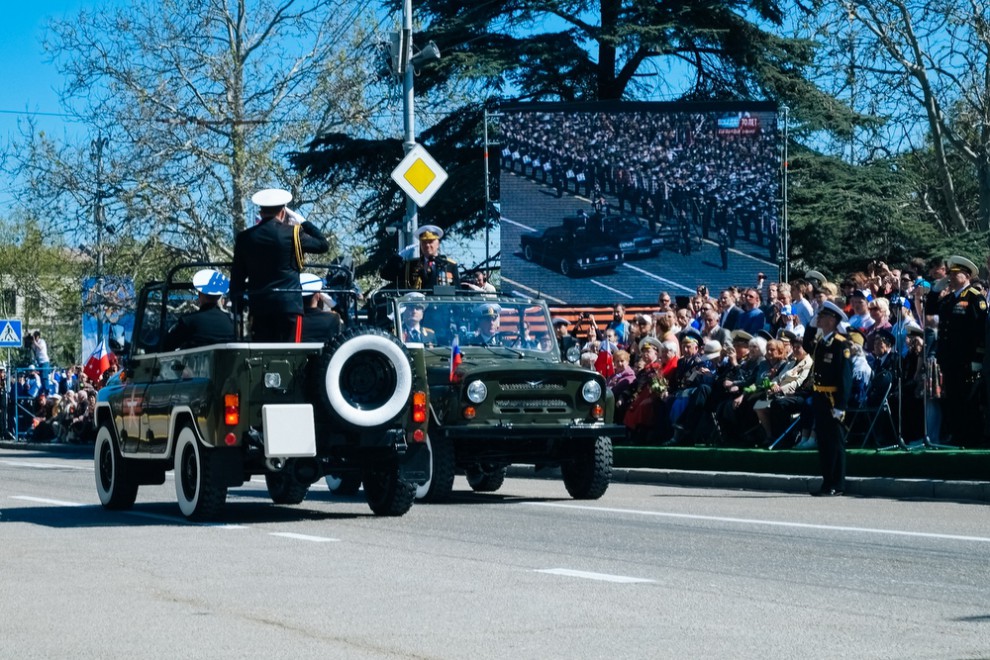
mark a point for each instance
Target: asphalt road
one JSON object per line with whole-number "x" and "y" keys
{"x": 645, "y": 572}
{"x": 529, "y": 206}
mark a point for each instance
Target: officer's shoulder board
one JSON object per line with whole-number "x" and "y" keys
{"x": 446, "y": 258}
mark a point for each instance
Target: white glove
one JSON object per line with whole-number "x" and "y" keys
{"x": 976, "y": 367}
{"x": 838, "y": 414}
{"x": 293, "y": 218}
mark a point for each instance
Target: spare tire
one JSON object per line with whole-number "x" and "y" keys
{"x": 364, "y": 378}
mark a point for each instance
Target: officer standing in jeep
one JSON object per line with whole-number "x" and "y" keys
{"x": 318, "y": 324}
{"x": 267, "y": 260}
{"x": 426, "y": 271}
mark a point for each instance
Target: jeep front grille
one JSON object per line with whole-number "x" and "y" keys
{"x": 531, "y": 385}
{"x": 531, "y": 406}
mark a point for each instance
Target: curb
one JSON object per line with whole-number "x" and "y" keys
{"x": 920, "y": 489}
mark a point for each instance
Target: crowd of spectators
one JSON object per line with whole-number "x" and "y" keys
{"x": 691, "y": 171}
{"x": 735, "y": 368}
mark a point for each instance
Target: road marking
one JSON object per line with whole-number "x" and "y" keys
{"x": 603, "y": 577}
{"x": 44, "y": 500}
{"x": 769, "y": 523}
{"x": 605, "y": 286}
{"x": 658, "y": 278}
{"x": 517, "y": 224}
{"x": 536, "y": 292}
{"x": 304, "y": 537}
{"x": 46, "y": 466}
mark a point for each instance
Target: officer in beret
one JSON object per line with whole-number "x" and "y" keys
{"x": 209, "y": 324}
{"x": 318, "y": 323}
{"x": 962, "y": 318}
{"x": 429, "y": 269}
{"x": 832, "y": 378}
{"x": 268, "y": 258}
{"x": 487, "y": 324}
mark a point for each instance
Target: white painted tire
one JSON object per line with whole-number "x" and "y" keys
{"x": 115, "y": 486}
{"x": 196, "y": 490}
{"x": 389, "y": 355}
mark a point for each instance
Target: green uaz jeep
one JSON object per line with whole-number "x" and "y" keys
{"x": 294, "y": 413}
{"x": 499, "y": 393}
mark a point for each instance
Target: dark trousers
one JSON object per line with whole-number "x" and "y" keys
{"x": 960, "y": 408}
{"x": 831, "y": 449}
{"x": 276, "y": 327}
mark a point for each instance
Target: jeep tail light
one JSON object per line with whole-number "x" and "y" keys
{"x": 469, "y": 412}
{"x": 597, "y": 411}
{"x": 230, "y": 439}
{"x": 231, "y": 409}
{"x": 419, "y": 407}
{"x": 418, "y": 435}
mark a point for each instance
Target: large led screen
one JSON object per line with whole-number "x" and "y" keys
{"x": 616, "y": 203}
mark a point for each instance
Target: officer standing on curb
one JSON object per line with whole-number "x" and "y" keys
{"x": 268, "y": 258}
{"x": 962, "y": 318}
{"x": 832, "y": 377}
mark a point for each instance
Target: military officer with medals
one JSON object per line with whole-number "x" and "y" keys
{"x": 962, "y": 318}
{"x": 431, "y": 268}
{"x": 832, "y": 386}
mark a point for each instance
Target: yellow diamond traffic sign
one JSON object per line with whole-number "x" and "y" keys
{"x": 419, "y": 175}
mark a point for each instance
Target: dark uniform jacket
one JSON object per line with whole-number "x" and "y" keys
{"x": 420, "y": 273}
{"x": 319, "y": 325}
{"x": 424, "y": 335}
{"x": 961, "y": 327}
{"x": 265, "y": 266}
{"x": 832, "y": 372}
{"x": 206, "y": 326}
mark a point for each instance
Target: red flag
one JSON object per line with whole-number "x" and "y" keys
{"x": 98, "y": 362}
{"x": 455, "y": 357}
{"x": 604, "y": 364}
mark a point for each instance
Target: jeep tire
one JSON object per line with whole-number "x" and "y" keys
{"x": 588, "y": 473}
{"x": 199, "y": 493}
{"x": 485, "y": 477}
{"x": 387, "y": 494}
{"x": 115, "y": 484}
{"x": 284, "y": 488}
{"x": 441, "y": 482}
{"x": 364, "y": 378}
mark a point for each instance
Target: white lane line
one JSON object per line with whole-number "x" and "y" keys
{"x": 304, "y": 537}
{"x": 605, "y": 286}
{"x": 536, "y": 292}
{"x": 658, "y": 278}
{"x": 44, "y": 500}
{"x": 517, "y": 224}
{"x": 46, "y": 466}
{"x": 587, "y": 575}
{"x": 769, "y": 523}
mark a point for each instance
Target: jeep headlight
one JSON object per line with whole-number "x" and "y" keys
{"x": 573, "y": 354}
{"x": 591, "y": 391}
{"x": 477, "y": 391}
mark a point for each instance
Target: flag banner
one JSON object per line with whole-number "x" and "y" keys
{"x": 98, "y": 362}
{"x": 455, "y": 357}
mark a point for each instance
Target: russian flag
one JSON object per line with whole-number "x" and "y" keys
{"x": 455, "y": 357}
{"x": 98, "y": 362}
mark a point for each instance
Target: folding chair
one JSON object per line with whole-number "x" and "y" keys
{"x": 870, "y": 415}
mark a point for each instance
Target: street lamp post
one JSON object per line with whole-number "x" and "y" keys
{"x": 784, "y": 221}
{"x": 408, "y": 234}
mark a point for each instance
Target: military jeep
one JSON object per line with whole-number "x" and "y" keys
{"x": 293, "y": 412}
{"x": 499, "y": 393}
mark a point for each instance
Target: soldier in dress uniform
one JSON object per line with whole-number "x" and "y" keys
{"x": 487, "y": 324}
{"x": 413, "y": 329}
{"x": 429, "y": 269}
{"x": 268, "y": 258}
{"x": 318, "y": 323}
{"x": 832, "y": 385}
{"x": 962, "y": 318}
{"x": 210, "y": 324}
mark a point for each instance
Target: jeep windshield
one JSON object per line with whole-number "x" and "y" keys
{"x": 436, "y": 323}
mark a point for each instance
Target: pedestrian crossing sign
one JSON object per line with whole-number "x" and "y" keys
{"x": 419, "y": 175}
{"x": 10, "y": 333}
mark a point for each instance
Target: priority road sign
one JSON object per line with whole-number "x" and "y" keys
{"x": 419, "y": 175}
{"x": 10, "y": 333}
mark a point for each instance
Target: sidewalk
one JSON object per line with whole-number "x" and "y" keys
{"x": 901, "y": 488}
{"x": 925, "y": 489}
